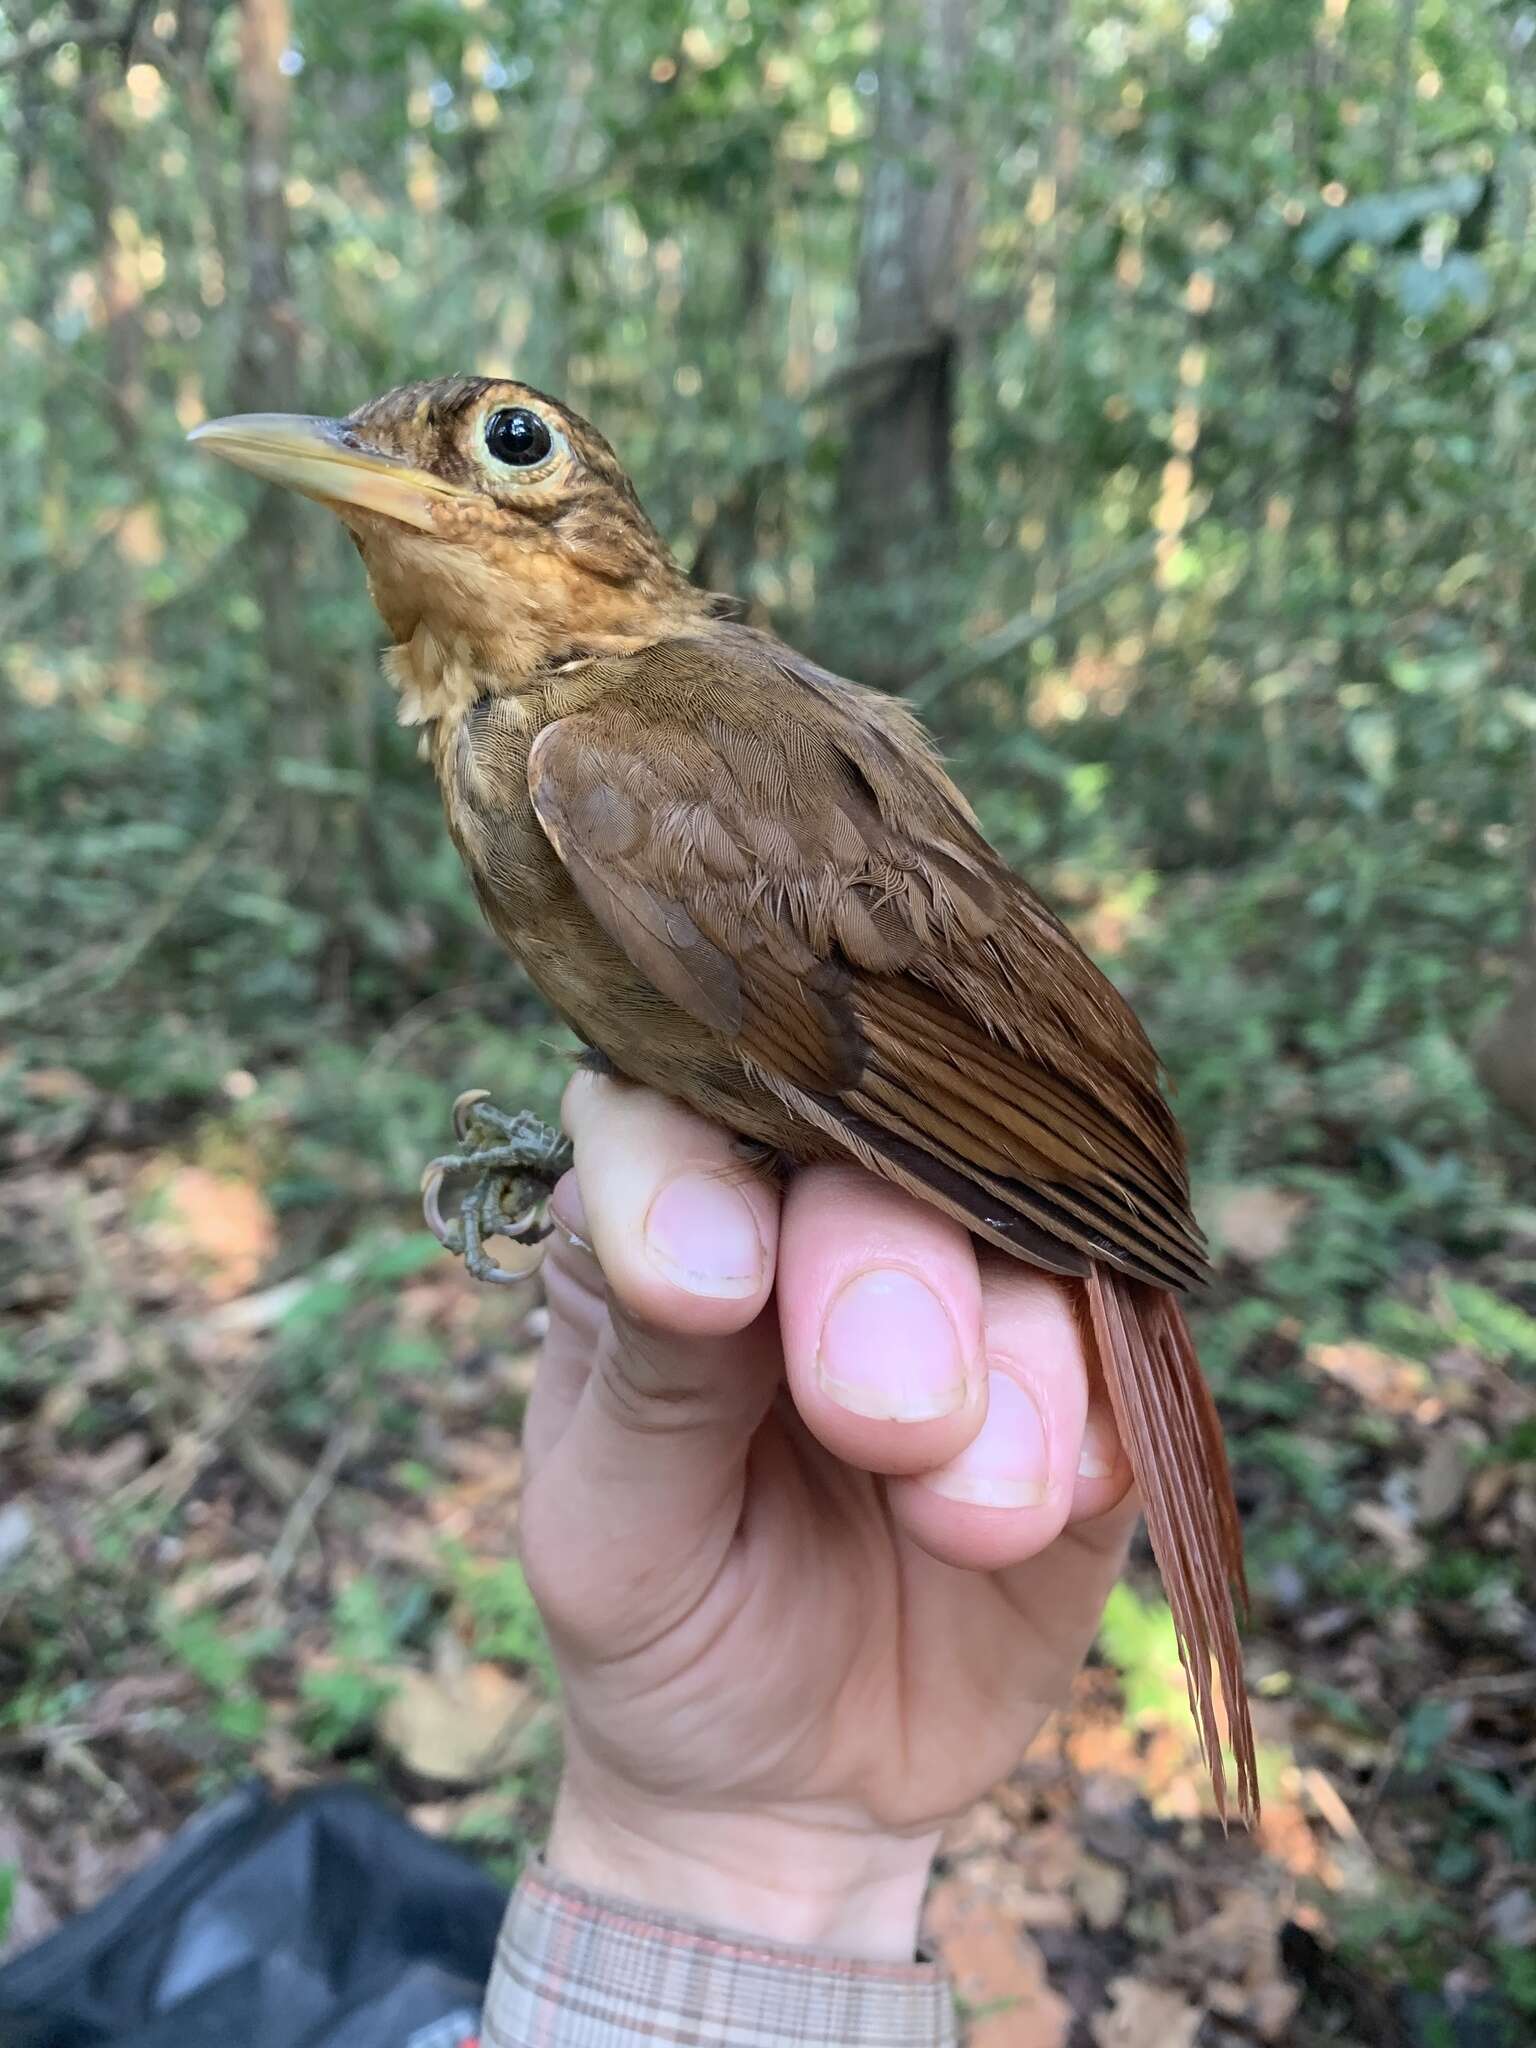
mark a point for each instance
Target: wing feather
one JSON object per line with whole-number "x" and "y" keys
{"x": 781, "y": 855}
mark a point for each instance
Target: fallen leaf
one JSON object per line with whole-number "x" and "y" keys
{"x": 1329, "y": 1802}
{"x": 1271, "y": 2008}
{"x": 479, "y": 1509}
{"x": 55, "y": 1084}
{"x": 1379, "y": 1377}
{"x": 458, "y": 1727}
{"x": 998, "y": 1971}
{"x": 1444, "y": 1473}
{"x": 1252, "y": 1218}
{"x": 225, "y": 1223}
{"x": 983, "y": 1826}
{"x": 1100, "y": 1890}
{"x": 18, "y": 1525}
{"x": 1232, "y": 1961}
{"x": 210, "y": 1585}
{"x": 135, "y": 1692}
{"x": 1512, "y": 1919}
{"x": 1289, "y": 1839}
{"x": 1144, "y": 2015}
{"x": 1488, "y": 1487}
{"x": 1391, "y": 1529}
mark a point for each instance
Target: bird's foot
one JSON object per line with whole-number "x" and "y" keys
{"x": 516, "y": 1161}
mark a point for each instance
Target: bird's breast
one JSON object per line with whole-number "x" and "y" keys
{"x": 530, "y": 902}
{"x": 480, "y": 757}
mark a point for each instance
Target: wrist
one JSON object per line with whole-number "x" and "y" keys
{"x": 810, "y": 1878}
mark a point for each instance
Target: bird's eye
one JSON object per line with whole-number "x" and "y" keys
{"x": 517, "y": 437}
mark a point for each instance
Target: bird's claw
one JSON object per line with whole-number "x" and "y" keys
{"x": 516, "y": 1160}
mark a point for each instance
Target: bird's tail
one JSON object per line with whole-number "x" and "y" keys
{"x": 1172, "y": 1436}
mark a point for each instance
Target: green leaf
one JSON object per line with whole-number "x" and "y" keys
{"x": 1423, "y": 289}
{"x": 507, "y": 1624}
{"x": 1373, "y": 742}
{"x": 1139, "y": 1639}
{"x": 1498, "y": 1329}
{"x": 1384, "y": 219}
{"x": 1424, "y": 1731}
{"x": 320, "y": 777}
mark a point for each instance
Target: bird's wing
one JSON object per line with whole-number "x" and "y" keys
{"x": 781, "y": 855}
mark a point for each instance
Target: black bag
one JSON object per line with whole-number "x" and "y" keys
{"x": 321, "y": 1921}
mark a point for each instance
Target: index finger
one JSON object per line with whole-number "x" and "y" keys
{"x": 685, "y": 1231}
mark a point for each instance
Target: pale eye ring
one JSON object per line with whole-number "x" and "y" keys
{"x": 517, "y": 437}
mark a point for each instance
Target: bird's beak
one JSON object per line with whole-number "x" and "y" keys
{"x": 326, "y": 459}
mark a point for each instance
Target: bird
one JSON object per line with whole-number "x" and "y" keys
{"x": 751, "y": 884}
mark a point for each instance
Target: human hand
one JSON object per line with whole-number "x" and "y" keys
{"x": 821, "y": 1514}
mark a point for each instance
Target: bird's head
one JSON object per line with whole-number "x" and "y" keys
{"x": 490, "y": 518}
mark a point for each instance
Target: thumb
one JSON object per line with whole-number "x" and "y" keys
{"x": 630, "y": 1510}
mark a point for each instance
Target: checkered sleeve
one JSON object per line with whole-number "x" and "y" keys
{"x": 578, "y": 1969}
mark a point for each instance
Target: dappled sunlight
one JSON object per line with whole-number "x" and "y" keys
{"x": 1157, "y": 417}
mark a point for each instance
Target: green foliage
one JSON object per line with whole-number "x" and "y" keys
{"x": 1510, "y": 1807}
{"x": 1137, "y": 1636}
{"x": 1399, "y": 1926}
{"x": 1517, "y": 1976}
{"x": 222, "y": 1661}
{"x": 1499, "y": 1329}
{"x": 1386, "y": 220}
{"x": 1236, "y": 665}
{"x": 341, "y": 1697}
{"x": 503, "y": 1618}
{"x": 1423, "y": 1733}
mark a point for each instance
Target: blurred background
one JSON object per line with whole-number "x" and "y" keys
{"x": 1146, "y": 389}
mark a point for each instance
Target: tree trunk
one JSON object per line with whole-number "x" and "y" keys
{"x": 306, "y": 826}
{"x": 120, "y": 295}
{"x": 1506, "y": 1052}
{"x": 266, "y": 368}
{"x": 1349, "y": 425}
{"x": 117, "y": 280}
{"x": 894, "y": 494}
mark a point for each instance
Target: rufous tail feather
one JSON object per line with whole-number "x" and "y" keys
{"x": 1172, "y": 1436}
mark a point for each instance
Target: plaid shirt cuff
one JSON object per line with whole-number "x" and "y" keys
{"x": 578, "y": 1969}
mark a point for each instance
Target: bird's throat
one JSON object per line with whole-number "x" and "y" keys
{"x": 474, "y": 622}
{"x": 435, "y": 677}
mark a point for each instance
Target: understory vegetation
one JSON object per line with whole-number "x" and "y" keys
{"x": 1184, "y": 476}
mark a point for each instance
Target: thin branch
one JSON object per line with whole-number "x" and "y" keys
{"x": 880, "y": 359}
{"x": 108, "y": 967}
{"x": 36, "y": 49}
{"x": 1024, "y": 626}
{"x": 344, "y": 1439}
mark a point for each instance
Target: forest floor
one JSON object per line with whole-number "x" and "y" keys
{"x": 263, "y": 1518}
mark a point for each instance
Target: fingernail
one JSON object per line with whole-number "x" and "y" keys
{"x": 1006, "y": 1464}
{"x": 1101, "y": 1446}
{"x": 568, "y": 1214}
{"x": 702, "y": 1233}
{"x": 889, "y": 1350}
